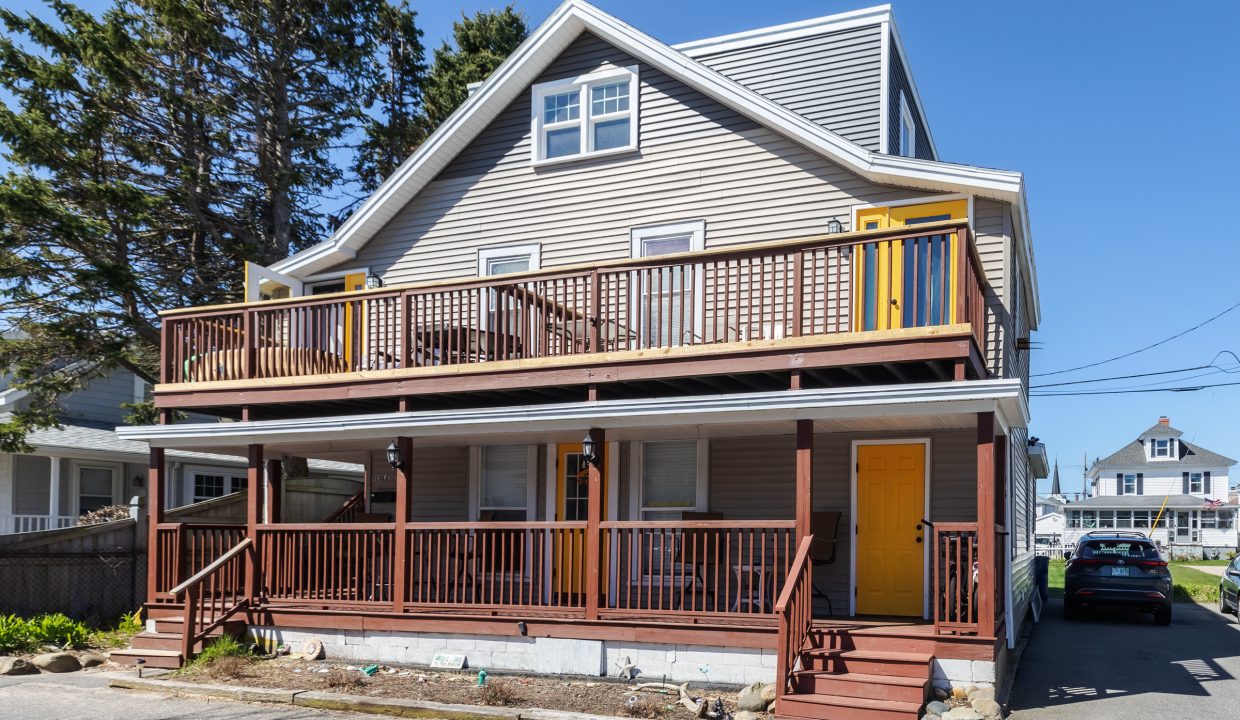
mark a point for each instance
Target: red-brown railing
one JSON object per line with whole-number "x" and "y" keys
{"x": 496, "y": 564}
{"x": 212, "y": 595}
{"x": 327, "y": 562}
{"x": 955, "y": 577}
{"x": 795, "y": 608}
{"x": 697, "y": 566}
{"x": 186, "y": 548}
{"x": 768, "y": 291}
{"x": 349, "y": 509}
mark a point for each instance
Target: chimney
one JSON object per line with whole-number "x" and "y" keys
{"x": 1164, "y": 420}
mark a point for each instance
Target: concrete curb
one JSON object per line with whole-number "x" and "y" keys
{"x": 392, "y": 707}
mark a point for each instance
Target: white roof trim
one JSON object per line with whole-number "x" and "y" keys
{"x": 785, "y": 32}
{"x": 569, "y": 20}
{"x": 1004, "y": 396}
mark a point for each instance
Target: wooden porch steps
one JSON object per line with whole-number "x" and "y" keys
{"x": 838, "y": 681}
{"x": 162, "y": 648}
{"x": 170, "y": 659}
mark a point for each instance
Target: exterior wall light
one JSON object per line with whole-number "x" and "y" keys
{"x": 394, "y": 458}
{"x": 834, "y": 226}
{"x": 589, "y": 450}
{"x": 373, "y": 282}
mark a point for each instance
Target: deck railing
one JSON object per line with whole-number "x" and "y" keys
{"x": 186, "y": 548}
{"x": 35, "y": 523}
{"x": 327, "y": 563}
{"x": 795, "y": 608}
{"x": 697, "y": 566}
{"x": 955, "y": 577}
{"x": 905, "y": 277}
{"x": 212, "y": 595}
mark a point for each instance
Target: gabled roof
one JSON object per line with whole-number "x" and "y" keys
{"x": 1161, "y": 430}
{"x": 545, "y": 44}
{"x": 1133, "y": 456}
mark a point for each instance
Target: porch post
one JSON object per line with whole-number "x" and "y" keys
{"x": 53, "y": 493}
{"x": 400, "y": 555}
{"x": 986, "y": 523}
{"x": 273, "y": 490}
{"x": 154, "y": 516}
{"x": 805, "y": 477}
{"x": 594, "y": 546}
{"x": 253, "y": 502}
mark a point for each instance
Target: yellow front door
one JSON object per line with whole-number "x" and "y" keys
{"x": 572, "y": 503}
{"x": 906, "y": 283}
{"x": 891, "y": 502}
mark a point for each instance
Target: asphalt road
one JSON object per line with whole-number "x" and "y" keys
{"x": 1122, "y": 666}
{"x": 86, "y": 695}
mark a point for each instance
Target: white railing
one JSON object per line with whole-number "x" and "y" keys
{"x": 34, "y": 523}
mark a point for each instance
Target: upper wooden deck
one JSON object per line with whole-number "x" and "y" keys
{"x": 910, "y": 301}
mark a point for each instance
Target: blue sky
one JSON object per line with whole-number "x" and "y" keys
{"x": 1123, "y": 117}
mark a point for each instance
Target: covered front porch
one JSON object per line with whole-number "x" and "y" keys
{"x": 706, "y": 521}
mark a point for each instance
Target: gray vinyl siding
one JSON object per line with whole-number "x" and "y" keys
{"x": 834, "y": 80}
{"x": 755, "y": 478}
{"x": 1023, "y": 494}
{"x": 900, "y": 84}
{"x": 992, "y": 233}
{"x": 99, "y": 402}
{"x": 697, "y": 160}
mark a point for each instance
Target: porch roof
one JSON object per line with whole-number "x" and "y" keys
{"x": 918, "y": 406}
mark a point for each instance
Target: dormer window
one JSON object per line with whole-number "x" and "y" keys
{"x": 589, "y": 115}
{"x": 1160, "y": 448}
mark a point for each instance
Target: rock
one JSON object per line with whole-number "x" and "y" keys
{"x": 768, "y": 693}
{"x": 937, "y": 707}
{"x": 976, "y": 693}
{"x": 941, "y": 694}
{"x": 988, "y": 708}
{"x": 16, "y": 666}
{"x": 750, "y": 698}
{"x": 56, "y": 662}
{"x": 746, "y": 715}
{"x": 930, "y": 716}
{"x": 960, "y": 693}
{"x": 92, "y": 660}
{"x": 962, "y": 713}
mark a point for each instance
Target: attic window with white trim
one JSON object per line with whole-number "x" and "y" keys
{"x": 908, "y": 129}
{"x": 589, "y": 115}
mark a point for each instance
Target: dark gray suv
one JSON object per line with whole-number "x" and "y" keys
{"x": 1115, "y": 568}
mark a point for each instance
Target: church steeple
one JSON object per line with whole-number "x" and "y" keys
{"x": 1055, "y": 480}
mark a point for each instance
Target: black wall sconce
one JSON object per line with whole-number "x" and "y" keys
{"x": 589, "y": 450}
{"x": 393, "y": 456}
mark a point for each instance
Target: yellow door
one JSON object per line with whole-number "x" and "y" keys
{"x": 572, "y": 503}
{"x": 888, "y": 297}
{"x": 891, "y": 502}
{"x": 352, "y": 283}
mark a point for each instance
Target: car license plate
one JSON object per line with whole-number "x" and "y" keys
{"x": 1119, "y": 572}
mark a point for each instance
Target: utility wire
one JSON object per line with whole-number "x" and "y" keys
{"x": 1183, "y": 388}
{"x": 1151, "y": 346}
{"x": 1208, "y": 366}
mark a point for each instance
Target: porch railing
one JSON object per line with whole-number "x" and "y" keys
{"x": 795, "y": 609}
{"x": 349, "y": 509}
{"x": 35, "y": 523}
{"x": 212, "y": 595}
{"x": 955, "y": 578}
{"x": 186, "y": 548}
{"x": 697, "y": 566}
{"x": 905, "y": 277}
{"x": 328, "y": 562}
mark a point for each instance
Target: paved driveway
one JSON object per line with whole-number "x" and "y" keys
{"x": 1124, "y": 667}
{"x": 86, "y": 695}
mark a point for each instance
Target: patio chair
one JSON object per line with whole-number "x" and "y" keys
{"x": 825, "y": 527}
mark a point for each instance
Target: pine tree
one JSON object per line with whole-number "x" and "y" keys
{"x": 482, "y": 43}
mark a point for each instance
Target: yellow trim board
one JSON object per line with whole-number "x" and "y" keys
{"x": 608, "y": 358}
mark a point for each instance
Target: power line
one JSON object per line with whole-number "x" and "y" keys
{"x": 1151, "y": 346}
{"x": 1183, "y": 388}
{"x": 1208, "y": 366}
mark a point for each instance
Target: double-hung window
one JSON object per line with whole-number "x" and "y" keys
{"x": 206, "y": 484}
{"x": 1196, "y": 484}
{"x": 669, "y": 298}
{"x": 505, "y": 260}
{"x": 587, "y": 115}
{"x": 672, "y": 481}
{"x": 95, "y": 487}
{"x": 503, "y": 483}
{"x": 1130, "y": 484}
{"x": 1161, "y": 448}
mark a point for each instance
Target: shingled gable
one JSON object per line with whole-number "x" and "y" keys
{"x": 544, "y": 45}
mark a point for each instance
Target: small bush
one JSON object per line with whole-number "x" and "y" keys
{"x": 497, "y": 692}
{"x": 1195, "y": 592}
{"x": 19, "y": 634}
{"x": 216, "y": 650}
{"x": 341, "y": 679}
{"x": 129, "y": 625}
{"x": 14, "y": 634}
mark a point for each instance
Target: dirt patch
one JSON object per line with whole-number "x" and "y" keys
{"x": 600, "y": 696}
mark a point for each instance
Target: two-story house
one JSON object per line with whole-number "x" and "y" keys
{"x": 694, "y": 355}
{"x": 1164, "y": 486}
{"x": 83, "y": 465}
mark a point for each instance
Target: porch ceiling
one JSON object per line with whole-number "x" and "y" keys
{"x": 928, "y": 406}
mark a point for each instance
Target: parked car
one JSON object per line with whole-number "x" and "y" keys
{"x": 1229, "y": 589}
{"x": 1114, "y": 568}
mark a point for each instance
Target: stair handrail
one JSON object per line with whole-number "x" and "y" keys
{"x": 795, "y": 608}
{"x": 348, "y": 509}
{"x": 205, "y": 611}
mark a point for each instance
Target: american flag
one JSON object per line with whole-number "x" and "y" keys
{"x": 1214, "y": 503}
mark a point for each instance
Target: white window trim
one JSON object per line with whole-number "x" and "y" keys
{"x": 637, "y": 482}
{"x": 1201, "y": 483}
{"x": 695, "y": 229}
{"x": 189, "y": 471}
{"x": 582, "y": 84}
{"x": 531, "y": 482}
{"x": 1154, "y": 449}
{"x": 1124, "y": 483}
{"x": 75, "y": 469}
{"x": 487, "y": 255}
{"x": 907, "y": 125}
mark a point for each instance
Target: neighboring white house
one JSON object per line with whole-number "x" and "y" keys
{"x": 83, "y": 465}
{"x": 1163, "y": 486}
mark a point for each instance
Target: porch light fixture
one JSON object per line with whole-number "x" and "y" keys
{"x": 589, "y": 450}
{"x": 394, "y": 458}
{"x": 834, "y": 226}
{"x": 373, "y": 282}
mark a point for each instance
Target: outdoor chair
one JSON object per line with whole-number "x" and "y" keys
{"x": 825, "y": 528}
